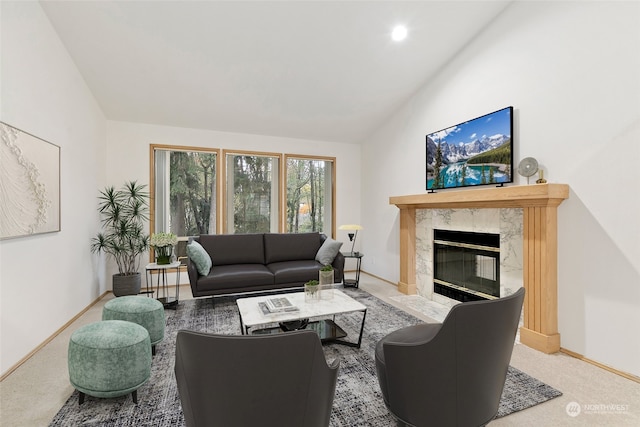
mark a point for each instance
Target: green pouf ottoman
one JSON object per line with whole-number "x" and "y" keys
{"x": 109, "y": 359}
{"x": 144, "y": 311}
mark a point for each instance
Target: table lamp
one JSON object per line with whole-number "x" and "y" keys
{"x": 353, "y": 229}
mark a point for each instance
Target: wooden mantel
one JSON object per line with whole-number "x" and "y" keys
{"x": 540, "y": 256}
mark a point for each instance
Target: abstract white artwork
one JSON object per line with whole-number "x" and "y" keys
{"x": 29, "y": 184}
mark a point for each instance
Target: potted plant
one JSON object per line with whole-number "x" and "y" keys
{"x": 312, "y": 291}
{"x": 162, "y": 244}
{"x": 326, "y": 275}
{"x": 123, "y": 214}
{"x": 326, "y": 281}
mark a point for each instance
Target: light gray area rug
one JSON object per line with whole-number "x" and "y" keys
{"x": 358, "y": 401}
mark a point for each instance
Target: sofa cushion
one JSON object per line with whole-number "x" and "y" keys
{"x": 295, "y": 271}
{"x": 290, "y": 246}
{"x": 236, "y": 276}
{"x": 328, "y": 251}
{"x": 199, "y": 257}
{"x": 227, "y": 249}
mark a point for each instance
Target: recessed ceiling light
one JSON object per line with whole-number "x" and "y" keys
{"x": 399, "y": 33}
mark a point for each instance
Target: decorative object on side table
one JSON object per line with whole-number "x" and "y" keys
{"x": 312, "y": 291}
{"x": 162, "y": 244}
{"x": 353, "y": 235}
{"x": 124, "y": 213}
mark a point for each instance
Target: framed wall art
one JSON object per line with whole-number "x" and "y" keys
{"x": 29, "y": 184}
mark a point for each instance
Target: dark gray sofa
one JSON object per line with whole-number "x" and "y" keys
{"x": 259, "y": 262}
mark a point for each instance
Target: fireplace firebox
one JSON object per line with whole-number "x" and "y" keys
{"x": 466, "y": 265}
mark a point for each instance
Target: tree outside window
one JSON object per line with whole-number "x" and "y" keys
{"x": 252, "y": 196}
{"x": 184, "y": 188}
{"x": 309, "y": 195}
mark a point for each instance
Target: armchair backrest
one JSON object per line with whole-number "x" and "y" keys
{"x": 461, "y": 370}
{"x": 227, "y": 380}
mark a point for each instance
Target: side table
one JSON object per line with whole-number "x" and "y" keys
{"x": 161, "y": 270}
{"x": 358, "y": 256}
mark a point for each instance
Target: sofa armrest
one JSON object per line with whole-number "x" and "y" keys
{"x": 338, "y": 268}
{"x": 192, "y": 271}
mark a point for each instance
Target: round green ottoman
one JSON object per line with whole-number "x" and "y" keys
{"x": 109, "y": 359}
{"x": 144, "y": 311}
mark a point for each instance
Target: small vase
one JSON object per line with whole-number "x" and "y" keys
{"x": 326, "y": 284}
{"x": 163, "y": 255}
{"x": 163, "y": 259}
{"x": 311, "y": 293}
{"x": 326, "y": 277}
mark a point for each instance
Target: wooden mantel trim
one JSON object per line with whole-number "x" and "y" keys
{"x": 540, "y": 270}
{"x": 519, "y": 196}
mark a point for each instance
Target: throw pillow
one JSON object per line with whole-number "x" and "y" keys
{"x": 328, "y": 251}
{"x": 199, "y": 257}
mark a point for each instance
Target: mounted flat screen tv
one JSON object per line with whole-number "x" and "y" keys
{"x": 476, "y": 152}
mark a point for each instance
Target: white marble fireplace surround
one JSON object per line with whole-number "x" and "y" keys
{"x": 507, "y": 222}
{"x": 539, "y": 204}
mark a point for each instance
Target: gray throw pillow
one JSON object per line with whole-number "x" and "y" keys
{"x": 199, "y": 257}
{"x": 328, "y": 251}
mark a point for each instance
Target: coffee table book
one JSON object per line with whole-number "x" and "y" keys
{"x": 279, "y": 304}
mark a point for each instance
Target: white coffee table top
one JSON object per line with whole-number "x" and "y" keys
{"x": 252, "y": 315}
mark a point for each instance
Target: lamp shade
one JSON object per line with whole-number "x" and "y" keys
{"x": 352, "y": 236}
{"x": 350, "y": 227}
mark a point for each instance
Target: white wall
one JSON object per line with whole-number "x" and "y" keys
{"x": 571, "y": 71}
{"x": 47, "y": 279}
{"x": 133, "y": 139}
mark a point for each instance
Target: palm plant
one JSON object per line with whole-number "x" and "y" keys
{"x": 123, "y": 213}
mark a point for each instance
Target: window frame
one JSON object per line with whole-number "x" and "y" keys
{"x": 223, "y": 172}
{"x": 221, "y": 182}
{"x": 329, "y": 159}
{"x": 152, "y": 179}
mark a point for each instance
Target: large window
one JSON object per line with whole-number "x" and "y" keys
{"x": 200, "y": 191}
{"x": 252, "y": 192}
{"x": 184, "y": 191}
{"x": 309, "y": 194}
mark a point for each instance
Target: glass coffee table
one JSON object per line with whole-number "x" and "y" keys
{"x": 255, "y": 319}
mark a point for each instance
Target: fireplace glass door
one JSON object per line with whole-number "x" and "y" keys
{"x": 466, "y": 265}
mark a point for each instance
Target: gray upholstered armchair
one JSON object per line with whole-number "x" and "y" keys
{"x": 253, "y": 380}
{"x": 450, "y": 373}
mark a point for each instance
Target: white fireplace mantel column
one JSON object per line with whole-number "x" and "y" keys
{"x": 540, "y": 269}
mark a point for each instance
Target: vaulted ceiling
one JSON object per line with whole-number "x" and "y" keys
{"x": 322, "y": 70}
